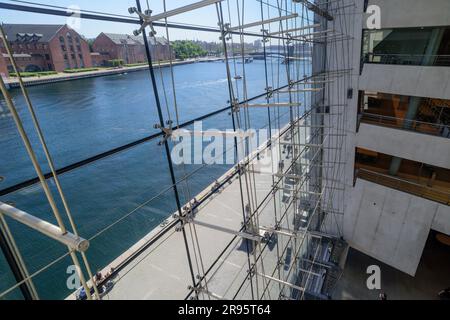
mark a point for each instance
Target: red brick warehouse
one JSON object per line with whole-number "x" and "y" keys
{"x": 130, "y": 49}
{"x": 45, "y": 48}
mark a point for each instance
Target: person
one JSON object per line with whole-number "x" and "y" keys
{"x": 289, "y": 150}
{"x": 110, "y": 273}
{"x": 281, "y": 166}
{"x": 216, "y": 187}
{"x": 445, "y": 294}
{"x": 196, "y": 203}
{"x": 82, "y": 295}
{"x": 98, "y": 277}
{"x": 383, "y": 296}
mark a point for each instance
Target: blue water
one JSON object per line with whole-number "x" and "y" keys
{"x": 85, "y": 117}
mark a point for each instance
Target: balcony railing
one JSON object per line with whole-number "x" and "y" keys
{"x": 435, "y": 129}
{"x": 406, "y": 59}
{"x": 404, "y": 186}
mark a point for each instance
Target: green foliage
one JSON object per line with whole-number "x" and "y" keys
{"x": 34, "y": 74}
{"x": 185, "y": 49}
{"x": 80, "y": 70}
{"x": 116, "y": 63}
{"x": 136, "y": 64}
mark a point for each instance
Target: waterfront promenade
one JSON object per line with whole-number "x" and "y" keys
{"x": 13, "y": 82}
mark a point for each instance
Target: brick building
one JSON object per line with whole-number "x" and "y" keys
{"x": 45, "y": 47}
{"x": 3, "y": 66}
{"x": 124, "y": 47}
{"x": 130, "y": 49}
{"x": 160, "y": 49}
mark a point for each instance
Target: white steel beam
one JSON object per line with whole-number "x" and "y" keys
{"x": 282, "y": 282}
{"x": 180, "y": 10}
{"x": 44, "y": 227}
{"x": 317, "y": 25}
{"x": 267, "y": 105}
{"x": 244, "y": 235}
{"x": 212, "y": 133}
{"x": 301, "y": 90}
{"x": 262, "y": 22}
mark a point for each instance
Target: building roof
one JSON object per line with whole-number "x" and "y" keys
{"x": 31, "y": 32}
{"x": 124, "y": 39}
{"x": 158, "y": 40}
{"x": 133, "y": 40}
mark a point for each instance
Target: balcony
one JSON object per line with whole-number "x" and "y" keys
{"x": 442, "y": 60}
{"x": 426, "y": 116}
{"x": 404, "y": 186}
{"x": 403, "y": 124}
{"x": 407, "y": 46}
{"x": 407, "y": 61}
{"x": 419, "y": 179}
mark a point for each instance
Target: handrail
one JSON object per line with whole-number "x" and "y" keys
{"x": 406, "y": 124}
{"x": 408, "y": 59}
{"x": 404, "y": 185}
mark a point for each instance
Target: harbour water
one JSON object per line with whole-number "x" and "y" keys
{"x": 119, "y": 199}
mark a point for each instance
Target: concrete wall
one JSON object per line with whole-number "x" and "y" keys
{"x": 441, "y": 221}
{"x": 409, "y": 145}
{"x": 413, "y": 13}
{"x": 392, "y": 226}
{"x": 407, "y": 80}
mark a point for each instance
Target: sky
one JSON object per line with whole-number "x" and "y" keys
{"x": 206, "y": 16}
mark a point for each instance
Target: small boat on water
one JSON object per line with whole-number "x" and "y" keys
{"x": 245, "y": 60}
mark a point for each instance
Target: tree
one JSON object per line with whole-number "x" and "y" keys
{"x": 185, "y": 49}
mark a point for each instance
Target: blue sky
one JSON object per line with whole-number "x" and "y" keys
{"x": 206, "y": 16}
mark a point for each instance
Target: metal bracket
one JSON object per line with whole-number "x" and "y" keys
{"x": 225, "y": 34}
{"x": 202, "y": 290}
{"x": 146, "y": 21}
{"x": 266, "y": 35}
{"x": 167, "y": 132}
{"x": 289, "y": 38}
{"x": 269, "y": 91}
{"x": 292, "y": 83}
{"x": 236, "y": 106}
{"x": 252, "y": 272}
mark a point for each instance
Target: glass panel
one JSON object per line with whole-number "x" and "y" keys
{"x": 406, "y": 46}
{"x": 120, "y": 198}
